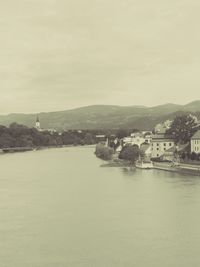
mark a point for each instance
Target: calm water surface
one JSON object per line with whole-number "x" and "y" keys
{"x": 58, "y": 207}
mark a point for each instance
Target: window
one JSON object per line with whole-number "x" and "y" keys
{"x": 164, "y": 144}
{"x": 157, "y": 148}
{"x": 157, "y": 155}
{"x": 157, "y": 144}
{"x": 170, "y": 144}
{"x": 164, "y": 148}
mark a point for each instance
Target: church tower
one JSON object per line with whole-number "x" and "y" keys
{"x": 37, "y": 123}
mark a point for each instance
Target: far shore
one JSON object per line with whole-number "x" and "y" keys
{"x": 26, "y": 149}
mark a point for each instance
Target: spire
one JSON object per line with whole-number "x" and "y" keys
{"x": 37, "y": 123}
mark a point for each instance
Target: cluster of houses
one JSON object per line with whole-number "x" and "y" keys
{"x": 160, "y": 144}
{"x": 153, "y": 145}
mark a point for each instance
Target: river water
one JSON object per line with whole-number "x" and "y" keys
{"x": 59, "y": 208}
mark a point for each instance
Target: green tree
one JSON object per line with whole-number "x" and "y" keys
{"x": 182, "y": 128}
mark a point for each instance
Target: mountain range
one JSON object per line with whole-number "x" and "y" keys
{"x": 104, "y": 117}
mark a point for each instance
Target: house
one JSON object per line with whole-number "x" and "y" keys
{"x": 127, "y": 140}
{"x": 160, "y": 143}
{"x": 175, "y": 152}
{"x": 195, "y": 142}
{"x": 146, "y": 150}
{"x": 137, "y": 138}
{"x": 100, "y": 138}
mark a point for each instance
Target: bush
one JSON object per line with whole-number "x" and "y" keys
{"x": 104, "y": 152}
{"x": 130, "y": 153}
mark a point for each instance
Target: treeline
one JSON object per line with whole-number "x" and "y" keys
{"x": 17, "y": 135}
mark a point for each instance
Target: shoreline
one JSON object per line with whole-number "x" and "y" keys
{"x": 26, "y": 149}
{"x": 182, "y": 168}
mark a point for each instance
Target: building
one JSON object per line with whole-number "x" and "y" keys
{"x": 37, "y": 124}
{"x": 174, "y": 153}
{"x": 146, "y": 150}
{"x": 195, "y": 142}
{"x": 127, "y": 140}
{"x": 137, "y": 139}
{"x": 160, "y": 143}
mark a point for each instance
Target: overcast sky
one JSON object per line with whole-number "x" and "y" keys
{"x": 60, "y": 54}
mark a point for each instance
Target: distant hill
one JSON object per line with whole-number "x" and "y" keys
{"x": 104, "y": 116}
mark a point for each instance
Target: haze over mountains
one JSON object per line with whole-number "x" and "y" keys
{"x": 104, "y": 117}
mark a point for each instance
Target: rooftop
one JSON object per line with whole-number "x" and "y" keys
{"x": 144, "y": 147}
{"x": 162, "y": 137}
{"x": 196, "y": 135}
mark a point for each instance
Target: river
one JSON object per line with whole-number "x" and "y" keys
{"x": 59, "y": 208}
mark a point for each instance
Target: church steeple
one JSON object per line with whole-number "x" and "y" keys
{"x": 37, "y": 123}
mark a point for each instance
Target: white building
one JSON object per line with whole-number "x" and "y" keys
{"x": 195, "y": 142}
{"x": 37, "y": 124}
{"x": 160, "y": 143}
{"x": 137, "y": 139}
{"x": 146, "y": 149}
{"x": 127, "y": 140}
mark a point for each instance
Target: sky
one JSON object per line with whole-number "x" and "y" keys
{"x": 62, "y": 54}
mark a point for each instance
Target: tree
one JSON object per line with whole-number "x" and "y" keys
{"x": 104, "y": 152}
{"x": 6, "y": 140}
{"x": 121, "y": 133}
{"x": 88, "y": 140}
{"x": 183, "y": 155}
{"x": 182, "y": 128}
{"x": 24, "y": 141}
{"x": 194, "y": 156}
{"x": 130, "y": 153}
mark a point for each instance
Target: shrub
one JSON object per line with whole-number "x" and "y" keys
{"x": 104, "y": 152}
{"x": 130, "y": 153}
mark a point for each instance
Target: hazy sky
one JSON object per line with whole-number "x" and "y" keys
{"x": 60, "y": 54}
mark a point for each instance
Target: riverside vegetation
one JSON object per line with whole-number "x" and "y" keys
{"x": 17, "y": 135}
{"x": 182, "y": 129}
{"x": 127, "y": 156}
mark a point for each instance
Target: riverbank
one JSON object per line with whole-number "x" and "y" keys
{"x": 163, "y": 166}
{"x": 181, "y": 168}
{"x": 26, "y": 149}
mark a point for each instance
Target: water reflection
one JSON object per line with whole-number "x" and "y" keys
{"x": 129, "y": 171}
